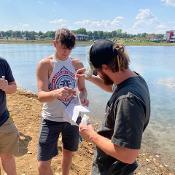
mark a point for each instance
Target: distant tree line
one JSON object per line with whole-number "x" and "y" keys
{"x": 32, "y": 35}
{"x": 116, "y": 34}
{"x": 28, "y": 35}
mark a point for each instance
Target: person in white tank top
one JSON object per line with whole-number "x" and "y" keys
{"x": 57, "y": 89}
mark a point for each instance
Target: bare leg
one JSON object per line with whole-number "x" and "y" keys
{"x": 0, "y": 167}
{"x": 44, "y": 168}
{"x": 8, "y": 164}
{"x": 66, "y": 161}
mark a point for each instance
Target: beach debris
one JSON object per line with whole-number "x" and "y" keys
{"x": 28, "y": 152}
{"x": 21, "y": 137}
{"x": 90, "y": 151}
{"x": 165, "y": 165}
{"x": 148, "y": 160}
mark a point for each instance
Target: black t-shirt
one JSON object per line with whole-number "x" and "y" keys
{"x": 127, "y": 115}
{"x": 5, "y": 70}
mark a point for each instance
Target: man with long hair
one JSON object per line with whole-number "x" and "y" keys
{"x": 127, "y": 112}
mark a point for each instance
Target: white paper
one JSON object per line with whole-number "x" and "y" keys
{"x": 77, "y": 109}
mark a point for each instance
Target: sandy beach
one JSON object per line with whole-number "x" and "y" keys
{"x": 25, "y": 112}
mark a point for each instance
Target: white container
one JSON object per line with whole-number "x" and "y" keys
{"x": 85, "y": 120}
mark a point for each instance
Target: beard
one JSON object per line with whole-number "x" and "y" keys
{"x": 107, "y": 79}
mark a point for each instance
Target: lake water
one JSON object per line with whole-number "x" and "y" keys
{"x": 155, "y": 64}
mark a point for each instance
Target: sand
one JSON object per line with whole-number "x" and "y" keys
{"x": 25, "y": 111}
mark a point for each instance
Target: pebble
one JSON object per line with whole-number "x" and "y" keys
{"x": 148, "y": 169}
{"x": 29, "y": 152}
{"x": 148, "y": 160}
{"x": 154, "y": 160}
{"x": 91, "y": 152}
{"x": 161, "y": 166}
{"x": 166, "y": 165}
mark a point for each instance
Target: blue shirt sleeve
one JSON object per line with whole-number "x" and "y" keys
{"x": 8, "y": 73}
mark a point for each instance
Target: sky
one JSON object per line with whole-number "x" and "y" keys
{"x": 132, "y": 16}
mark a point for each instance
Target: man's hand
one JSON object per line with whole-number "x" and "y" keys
{"x": 63, "y": 93}
{"x": 87, "y": 131}
{"x": 3, "y": 84}
{"x": 81, "y": 73}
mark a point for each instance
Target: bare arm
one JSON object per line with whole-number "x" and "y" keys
{"x": 100, "y": 83}
{"x": 125, "y": 155}
{"x": 81, "y": 84}
{"x": 44, "y": 94}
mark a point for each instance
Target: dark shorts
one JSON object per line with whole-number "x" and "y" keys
{"x": 48, "y": 139}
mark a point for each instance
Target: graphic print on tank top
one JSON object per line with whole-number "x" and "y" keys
{"x": 63, "y": 78}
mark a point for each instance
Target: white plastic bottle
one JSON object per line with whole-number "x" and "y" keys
{"x": 85, "y": 120}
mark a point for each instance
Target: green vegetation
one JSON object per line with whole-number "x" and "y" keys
{"x": 92, "y": 35}
{"x": 87, "y": 43}
{"x": 23, "y": 41}
{"x": 33, "y": 37}
{"x": 146, "y": 43}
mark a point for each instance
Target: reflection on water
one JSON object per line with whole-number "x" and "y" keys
{"x": 155, "y": 64}
{"x": 168, "y": 82}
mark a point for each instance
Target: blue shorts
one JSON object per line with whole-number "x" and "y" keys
{"x": 48, "y": 139}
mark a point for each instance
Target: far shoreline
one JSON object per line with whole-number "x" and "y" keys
{"x": 88, "y": 43}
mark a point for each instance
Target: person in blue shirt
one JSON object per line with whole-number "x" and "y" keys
{"x": 8, "y": 132}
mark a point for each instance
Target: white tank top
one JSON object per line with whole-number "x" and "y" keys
{"x": 63, "y": 74}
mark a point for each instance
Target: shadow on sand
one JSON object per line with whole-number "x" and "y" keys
{"x": 23, "y": 143}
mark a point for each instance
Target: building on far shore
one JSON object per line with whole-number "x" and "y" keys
{"x": 82, "y": 37}
{"x": 154, "y": 38}
{"x": 170, "y": 36}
